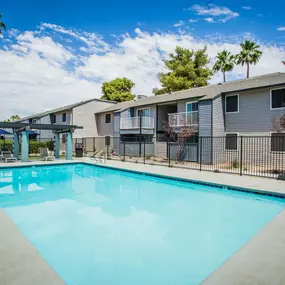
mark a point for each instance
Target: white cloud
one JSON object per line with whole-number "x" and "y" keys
{"x": 210, "y": 20}
{"x": 281, "y": 29}
{"x": 38, "y": 72}
{"x": 192, "y": 20}
{"x": 259, "y": 15}
{"x": 178, "y": 24}
{"x": 219, "y": 13}
{"x": 246, "y": 7}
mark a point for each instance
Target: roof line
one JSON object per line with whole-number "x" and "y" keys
{"x": 67, "y": 107}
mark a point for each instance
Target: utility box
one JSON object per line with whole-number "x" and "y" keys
{"x": 79, "y": 150}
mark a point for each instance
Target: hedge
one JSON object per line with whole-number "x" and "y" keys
{"x": 33, "y": 148}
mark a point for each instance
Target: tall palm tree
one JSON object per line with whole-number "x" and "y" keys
{"x": 250, "y": 54}
{"x": 225, "y": 62}
{"x": 2, "y": 25}
{"x": 283, "y": 62}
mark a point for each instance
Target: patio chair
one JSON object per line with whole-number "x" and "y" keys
{"x": 98, "y": 156}
{"x": 45, "y": 154}
{"x": 7, "y": 156}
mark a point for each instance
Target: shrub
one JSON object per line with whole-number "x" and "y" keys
{"x": 33, "y": 147}
{"x": 234, "y": 163}
{"x": 7, "y": 144}
{"x": 148, "y": 156}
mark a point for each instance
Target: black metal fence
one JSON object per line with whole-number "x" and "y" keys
{"x": 243, "y": 155}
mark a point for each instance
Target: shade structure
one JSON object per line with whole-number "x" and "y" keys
{"x": 3, "y": 132}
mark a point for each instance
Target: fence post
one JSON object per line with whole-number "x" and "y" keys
{"x": 168, "y": 153}
{"x": 94, "y": 144}
{"x": 144, "y": 150}
{"x": 201, "y": 150}
{"x": 124, "y": 150}
{"x": 241, "y": 155}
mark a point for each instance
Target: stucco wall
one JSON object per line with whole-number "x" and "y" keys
{"x": 84, "y": 116}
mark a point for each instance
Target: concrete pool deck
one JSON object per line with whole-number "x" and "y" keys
{"x": 20, "y": 262}
{"x": 259, "y": 262}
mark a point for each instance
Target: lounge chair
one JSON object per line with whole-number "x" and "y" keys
{"x": 45, "y": 154}
{"x": 98, "y": 156}
{"x": 7, "y": 156}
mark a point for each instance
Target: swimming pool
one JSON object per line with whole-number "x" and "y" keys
{"x": 95, "y": 225}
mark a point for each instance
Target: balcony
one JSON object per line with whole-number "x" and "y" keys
{"x": 183, "y": 119}
{"x": 134, "y": 124}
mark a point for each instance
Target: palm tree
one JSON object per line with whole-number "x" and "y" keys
{"x": 2, "y": 25}
{"x": 225, "y": 62}
{"x": 250, "y": 54}
{"x": 283, "y": 62}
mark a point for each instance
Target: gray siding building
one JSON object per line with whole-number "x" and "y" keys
{"x": 238, "y": 108}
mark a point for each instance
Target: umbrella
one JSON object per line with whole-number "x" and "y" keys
{"x": 3, "y": 132}
{"x": 33, "y": 133}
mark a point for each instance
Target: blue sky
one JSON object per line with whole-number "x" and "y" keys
{"x": 58, "y": 52}
{"x": 113, "y": 17}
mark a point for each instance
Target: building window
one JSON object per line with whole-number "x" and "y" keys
{"x": 192, "y": 107}
{"x": 143, "y": 112}
{"x": 278, "y": 98}
{"x": 107, "y": 118}
{"x": 34, "y": 121}
{"x": 231, "y": 141}
{"x": 63, "y": 117}
{"x": 278, "y": 142}
{"x": 232, "y": 103}
{"x": 53, "y": 118}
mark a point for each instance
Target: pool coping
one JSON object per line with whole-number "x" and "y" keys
{"x": 122, "y": 167}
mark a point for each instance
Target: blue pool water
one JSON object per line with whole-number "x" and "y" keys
{"x": 107, "y": 227}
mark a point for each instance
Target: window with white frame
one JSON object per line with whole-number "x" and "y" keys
{"x": 191, "y": 107}
{"x": 143, "y": 112}
{"x": 231, "y": 141}
{"x": 277, "y": 98}
{"x": 107, "y": 118}
{"x": 232, "y": 103}
{"x": 278, "y": 142}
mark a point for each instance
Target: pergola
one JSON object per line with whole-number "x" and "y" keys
{"x": 23, "y": 130}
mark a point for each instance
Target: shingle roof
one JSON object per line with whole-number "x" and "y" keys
{"x": 203, "y": 93}
{"x": 68, "y": 107}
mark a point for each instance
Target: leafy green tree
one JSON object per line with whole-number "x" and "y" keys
{"x": 187, "y": 69}
{"x": 119, "y": 89}
{"x": 13, "y": 119}
{"x": 250, "y": 54}
{"x": 225, "y": 62}
{"x": 2, "y": 25}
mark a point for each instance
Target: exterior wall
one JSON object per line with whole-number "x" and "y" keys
{"x": 59, "y": 118}
{"x": 126, "y": 113}
{"x": 218, "y": 117}
{"x": 45, "y": 134}
{"x": 152, "y": 112}
{"x": 181, "y": 105}
{"x": 254, "y": 114}
{"x": 205, "y": 118}
{"x": 103, "y": 128}
{"x": 205, "y": 130}
{"x": 84, "y": 116}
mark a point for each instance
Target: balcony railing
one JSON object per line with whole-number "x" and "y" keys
{"x": 183, "y": 119}
{"x": 134, "y": 123}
